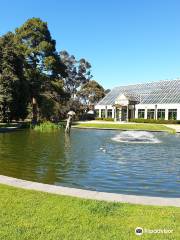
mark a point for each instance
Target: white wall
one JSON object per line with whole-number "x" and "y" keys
{"x": 159, "y": 106}
{"x": 146, "y": 106}
{"x": 105, "y": 107}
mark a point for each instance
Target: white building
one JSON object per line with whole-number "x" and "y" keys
{"x": 155, "y": 100}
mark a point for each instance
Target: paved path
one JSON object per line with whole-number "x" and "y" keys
{"x": 74, "y": 192}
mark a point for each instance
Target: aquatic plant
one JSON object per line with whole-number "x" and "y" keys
{"x": 46, "y": 127}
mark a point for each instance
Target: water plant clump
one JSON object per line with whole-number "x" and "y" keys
{"x": 47, "y": 127}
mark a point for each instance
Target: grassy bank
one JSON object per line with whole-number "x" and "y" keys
{"x": 139, "y": 126}
{"x": 33, "y": 215}
{"x": 42, "y": 127}
{"x": 46, "y": 127}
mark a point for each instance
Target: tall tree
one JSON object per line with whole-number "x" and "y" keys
{"x": 13, "y": 97}
{"x": 43, "y": 62}
{"x": 91, "y": 92}
{"x": 52, "y": 100}
{"x": 78, "y": 72}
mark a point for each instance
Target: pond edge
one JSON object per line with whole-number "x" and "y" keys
{"x": 87, "y": 194}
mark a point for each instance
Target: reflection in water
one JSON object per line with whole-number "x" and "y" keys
{"x": 67, "y": 141}
{"x": 32, "y": 155}
{"x": 136, "y": 137}
{"x": 96, "y": 160}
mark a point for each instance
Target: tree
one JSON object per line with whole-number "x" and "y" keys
{"x": 35, "y": 79}
{"x": 5, "y": 97}
{"x": 42, "y": 60}
{"x": 53, "y": 99}
{"x": 91, "y": 92}
{"x": 12, "y": 83}
{"x": 78, "y": 73}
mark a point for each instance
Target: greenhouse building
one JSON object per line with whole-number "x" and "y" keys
{"x": 155, "y": 100}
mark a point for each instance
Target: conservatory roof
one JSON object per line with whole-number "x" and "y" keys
{"x": 167, "y": 91}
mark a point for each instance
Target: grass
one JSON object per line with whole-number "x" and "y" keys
{"x": 46, "y": 127}
{"x": 32, "y": 215}
{"x": 49, "y": 126}
{"x": 139, "y": 126}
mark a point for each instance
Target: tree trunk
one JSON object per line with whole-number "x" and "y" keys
{"x": 34, "y": 110}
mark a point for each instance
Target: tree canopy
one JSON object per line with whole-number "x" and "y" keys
{"x": 37, "y": 81}
{"x": 13, "y": 87}
{"x": 78, "y": 72}
{"x": 91, "y": 92}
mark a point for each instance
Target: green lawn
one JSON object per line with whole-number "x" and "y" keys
{"x": 139, "y": 126}
{"x": 28, "y": 215}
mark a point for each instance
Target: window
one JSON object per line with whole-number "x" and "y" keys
{"x": 161, "y": 114}
{"x": 172, "y": 114}
{"x": 109, "y": 113}
{"x": 97, "y": 112}
{"x": 150, "y": 114}
{"x": 141, "y": 113}
{"x": 103, "y": 113}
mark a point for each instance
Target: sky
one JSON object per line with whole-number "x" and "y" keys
{"x": 126, "y": 41}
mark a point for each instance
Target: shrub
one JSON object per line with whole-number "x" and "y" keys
{"x": 46, "y": 127}
{"x": 104, "y": 119}
{"x": 98, "y": 118}
{"x": 25, "y": 125}
{"x": 108, "y": 119}
{"x": 159, "y": 121}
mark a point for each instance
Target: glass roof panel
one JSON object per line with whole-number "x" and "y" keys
{"x": 167, "y": 91}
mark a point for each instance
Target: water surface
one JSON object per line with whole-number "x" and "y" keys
{"x": 102, "y": 160}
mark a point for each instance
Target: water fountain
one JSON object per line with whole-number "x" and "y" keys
{"x": 135, "y": 137}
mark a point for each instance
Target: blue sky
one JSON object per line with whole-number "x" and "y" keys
{"x": 126, "y": 41}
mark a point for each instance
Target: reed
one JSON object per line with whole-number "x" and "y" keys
{"x": 47, "y": 127}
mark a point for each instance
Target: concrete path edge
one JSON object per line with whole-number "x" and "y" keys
{"x": 86, "y": 194}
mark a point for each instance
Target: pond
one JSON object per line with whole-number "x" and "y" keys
{"x": 139, "y": 163}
